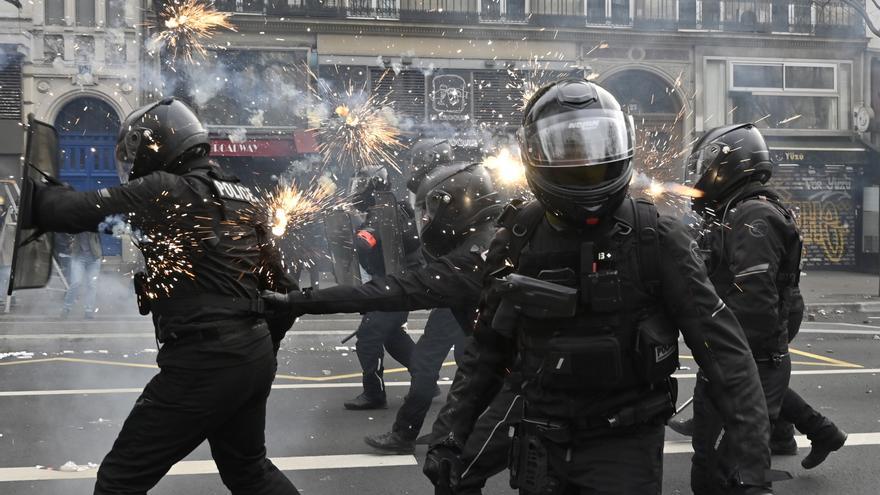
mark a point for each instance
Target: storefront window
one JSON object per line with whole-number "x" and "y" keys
{"x": 782, "y": 95}
{"x": 785, "y": 112}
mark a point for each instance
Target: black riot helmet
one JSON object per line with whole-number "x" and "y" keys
{"x": 366, "y": 181}
{"x": 426, "y": 155}
{"x": 157, "y": 136}
{"x": 577, "y": 146}
{"x": 452, "y": 201}
{"x": 725, "y": 159}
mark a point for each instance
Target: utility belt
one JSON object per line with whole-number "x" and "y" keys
{"x": 181, "y": 306}
{"x": 206, "y": 334}
{"x": 530, "y": 469}
{"x": 185, "y": 304}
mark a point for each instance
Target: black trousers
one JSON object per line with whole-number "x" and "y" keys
{"x": 712, "y": 466}
{"x": 487, "y": 450}
{"x": 181, "y": 408}
{"x": 442, "y": 331}
{"x": 627, "y": 462}
{"x": 796, "y": 413}
{"x": 380, "y": 331}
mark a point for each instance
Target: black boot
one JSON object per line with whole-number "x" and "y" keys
{"x": 391, "y": 443}
{"x": 827, "y": 442}
{"x": 682, "y": 426}
{"x": 782, "y": 438}
{"x": 363, "y": 403}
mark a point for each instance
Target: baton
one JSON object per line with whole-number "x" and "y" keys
{"x": 683, "y": 407}
{"x": 349, "y": 337}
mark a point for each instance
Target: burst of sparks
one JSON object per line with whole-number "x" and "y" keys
{"x": 359, "y": 134}
{"x": 657, "y": 189}
{"x": 790, "y": 119}
{"x": 289, "y": 205}
{"x": 186, "y": 23}
{"x": 506, "y": 167}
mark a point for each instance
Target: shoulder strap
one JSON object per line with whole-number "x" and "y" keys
{"x": 648, "y": 241}
{"x": 521, "y": 219}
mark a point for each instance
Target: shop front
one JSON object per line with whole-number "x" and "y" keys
{"x": 825, "y": 182}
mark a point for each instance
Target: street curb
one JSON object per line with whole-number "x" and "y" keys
{"x": 848, "y": 306}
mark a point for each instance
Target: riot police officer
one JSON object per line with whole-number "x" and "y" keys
{"x": 207, "y": 256}
{"x": 753, "y": 246}
{"x": 380, "y": 329}
{"x": 596, "y": 287}
{"x": 457, "y": 204}
{"x": 426, "y": 155}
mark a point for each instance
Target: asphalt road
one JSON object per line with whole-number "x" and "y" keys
{"x": 66, "y": 387}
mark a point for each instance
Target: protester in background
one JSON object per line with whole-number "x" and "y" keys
{"x": 85, "y": 267}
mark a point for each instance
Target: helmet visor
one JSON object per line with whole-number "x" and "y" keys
{"x": 123, "y": 164}
{"x": 577, "y": 138}
{"x": 436, "y": 202}
{"x": 700, "y": 160}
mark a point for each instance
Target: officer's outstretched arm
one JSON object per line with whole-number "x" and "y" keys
{"x": 719, "y": 346}
{"x": 453, "y": 281}
{"x": 60, "y": 209}
{"x": 755, "y": 247}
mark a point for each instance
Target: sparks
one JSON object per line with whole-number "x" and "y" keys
{"x": 790, "y": 119}
{"x": 359, "y": 134}
{"x": 289, "y": 205}
{"x": 185, "y": 23}
{"x": 507, "y": 167}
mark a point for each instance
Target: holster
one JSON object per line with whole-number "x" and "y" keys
{"x": 530, "y": 470}
{"x": 143, "y": 301}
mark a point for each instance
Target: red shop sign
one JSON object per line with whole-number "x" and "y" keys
{"x": 266, "y": 148}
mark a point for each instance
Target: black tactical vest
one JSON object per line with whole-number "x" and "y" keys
{"x": 620, "y": 338}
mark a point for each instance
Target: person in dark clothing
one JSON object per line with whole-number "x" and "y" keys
{"x": 381, "y": 330}
{"x": 596, "y": 288}
{"x": 207, "y": 257}
{"x": 85, "y": 268}
{"x": 753, "y": 248}
{"x": 457, "y": 204}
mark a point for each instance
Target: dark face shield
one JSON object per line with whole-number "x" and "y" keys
{"x": 700, "y": 160}
{"x": 580, "y": 138}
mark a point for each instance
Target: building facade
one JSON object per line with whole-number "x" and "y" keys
{"x": 462, "y": 68}
{"x": 74, "y": 64}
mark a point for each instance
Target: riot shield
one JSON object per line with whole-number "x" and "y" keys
{"x": 33, "y": 249}
{"x": 386, "y": 221}
{"x": 340, "y": 240}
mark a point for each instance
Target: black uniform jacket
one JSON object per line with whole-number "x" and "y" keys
{"x": 751, "y": 247}
{"x": 452, "y": 281}
{"x": 193, "y": 243}
{"x": 709, "y": 328}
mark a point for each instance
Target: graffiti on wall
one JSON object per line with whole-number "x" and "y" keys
{"x": 823, "y": 199}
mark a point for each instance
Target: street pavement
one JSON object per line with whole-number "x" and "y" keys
{"x": 66, "y": 387}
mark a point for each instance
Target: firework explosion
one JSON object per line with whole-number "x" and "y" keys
{"x": 185, "y": 23}
{"x": 359, "y": 135}
{"x": 289, "y": 205}
{"x": 506, "y": 167}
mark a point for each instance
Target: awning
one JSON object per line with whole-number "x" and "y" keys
{"x": 817, "y": 151}
{"x": 265, "y": 148}
{"x": 305, "y": 142}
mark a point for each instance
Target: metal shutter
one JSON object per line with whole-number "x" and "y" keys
{"x": 498, "y": 98}
{"x": 405, "y": 91}
{"x": 10, "y": 88}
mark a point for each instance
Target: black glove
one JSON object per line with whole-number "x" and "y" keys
{"x": 443, "y": 465}
{"x": 280, "y": 313}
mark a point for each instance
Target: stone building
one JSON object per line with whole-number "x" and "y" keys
{"x": 458, "y": 67}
